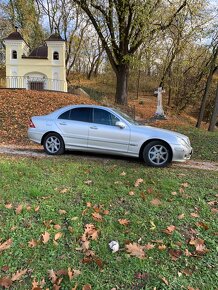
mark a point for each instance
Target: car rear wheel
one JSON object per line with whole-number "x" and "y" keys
{"x": 53, "y": 144}
{"x": 157, "y": 154}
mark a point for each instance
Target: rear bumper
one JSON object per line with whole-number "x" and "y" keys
{"x": 34, "y": 135}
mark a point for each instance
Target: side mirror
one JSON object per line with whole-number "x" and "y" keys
{"x": 120, "y": 124}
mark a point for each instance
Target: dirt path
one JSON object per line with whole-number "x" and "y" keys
{"x": 37, "y": 151}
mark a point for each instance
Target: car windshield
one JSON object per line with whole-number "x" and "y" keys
{"x": 126, "y": 117}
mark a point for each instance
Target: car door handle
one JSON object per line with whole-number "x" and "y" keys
{"x": 62, "y": 123}
{"x": 94, "y": 128}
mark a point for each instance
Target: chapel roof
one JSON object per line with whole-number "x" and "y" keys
{"x": 55, "y": 37}
{"x": 14, "y": 36}
{"x": 39, "y": 52}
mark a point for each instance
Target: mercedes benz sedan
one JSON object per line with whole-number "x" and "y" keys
{"x": 105, "y": 130}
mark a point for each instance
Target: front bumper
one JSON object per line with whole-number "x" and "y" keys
{"x": 181, "y": 153}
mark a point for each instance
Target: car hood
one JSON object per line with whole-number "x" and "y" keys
{"x": 160, "y": 133}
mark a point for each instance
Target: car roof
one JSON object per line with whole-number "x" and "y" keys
{"x": 63, "y": 109}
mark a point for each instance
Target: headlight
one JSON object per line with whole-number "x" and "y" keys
{"x": 183, "y": 141}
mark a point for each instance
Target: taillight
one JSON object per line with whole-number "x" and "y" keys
{"x": 31, "y": 124}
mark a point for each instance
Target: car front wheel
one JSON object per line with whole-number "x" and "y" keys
{"x": 157, "y": 154}
{"x": 53, "y": 144}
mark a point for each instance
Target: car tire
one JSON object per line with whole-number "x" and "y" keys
{"x": 157, "y": 154}
{"x": 53, "y": 144}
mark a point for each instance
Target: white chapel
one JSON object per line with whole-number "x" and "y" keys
{"x": 41, "y": 69}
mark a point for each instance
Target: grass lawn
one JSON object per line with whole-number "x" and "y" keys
{"x": 165, "y": 221}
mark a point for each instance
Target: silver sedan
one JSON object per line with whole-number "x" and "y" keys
{"x": 107, "y": 130}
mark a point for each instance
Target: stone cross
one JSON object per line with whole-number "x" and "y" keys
{"x": 159, "y": 111}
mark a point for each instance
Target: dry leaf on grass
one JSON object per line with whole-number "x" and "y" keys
{"x": 8, "y": 205}
{"x": 136, "y": 250}
{"x": 87, "y": 287}
{"x": 19, "y": 208}
{"x": 123, "y": 222}
{"x": 6, "y": 245}
{"x": 138, "y": 182}
{"x": 45, "y": 237}
{"x": 149, "y": 246}
{"x": 18, "y": 275}
{"x": 5, "y": 282}
{"x": 97, "y": 217}
{"x": 62, "y": 211}
{"x": 170, "y": 229}
{"x": 32, "y": 243}
{"x": 58, "y": 236}
{"x": 156, "y": 201}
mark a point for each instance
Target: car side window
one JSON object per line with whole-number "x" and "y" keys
{"x": 65, "y": 115}
{"x": 104, "y": 117}
{"x": 81, "y": 114}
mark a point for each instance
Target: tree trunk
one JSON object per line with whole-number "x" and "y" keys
{"x": 214, "y": 116}
{"x": 204, "y": 100}
{"x": 207, "y": 87}
{"x": 122, "y": 74}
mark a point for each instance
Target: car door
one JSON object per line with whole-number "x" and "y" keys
{"x": 74, "y": 125}
{"x": 104, "y": 135}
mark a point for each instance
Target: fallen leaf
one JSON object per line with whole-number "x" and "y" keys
{"x": 187, "y": 272}
{"x": 32, "y": 243}
{"x": 62, "y": 211}
{"x": 5, "y": 282}
{"x": 175, "y": 254}
{"x": 136, "y": 250}
{"x": 123, "y": 174}
{"x": 138, "y": 182}
{"x": 185, "y": 184}
{"x": 4, "y": 268}
{"x": 52, "y": 275}
{"x": 149, "y": 246}
{"x": 131, "y": 193}
{"x": 87, "y": 287}
{"x": 194, "y": 214}
{"x": 88, "y": 182}
{"x": 45, "y": 237}
{"x": 174, "y": 193}
{"x": 170, "y": 229}
{"x": 202, "y": 225}
{"x": 57, "y": 227}
{"x": 149, "y": 190}
{"x": 6, "y": 245}
{"x": 106, "y": 212}
{"x": 155, "y": 201}
{"x": 162, "y": 247}
{"x": 64, "y": 190}
{"x": 18, "y": 275}
{"x": 91, "y": 231}
{"x": 8, "y": 205}
{"x": 164, "y": 280}
{"x": 123, "y": 222}
{"x": 181, "y": 216}
{"x": 89, "y": 204}
{"x": 58, "y": 236}
{"x": 19, "y": 209}
{"x": 143, "y": 196}
{"x": 97, "y": 217}
{"x": 36, "y": 209}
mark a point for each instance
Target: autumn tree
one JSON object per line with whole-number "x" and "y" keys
{"x": 23, "y": 14}
{"x": 71, "y": 24}
{"x": 123, "y": 26}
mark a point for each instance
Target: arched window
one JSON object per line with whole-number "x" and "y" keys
{"x": 56, "y": 55}
{"x": 14, "y": 54}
